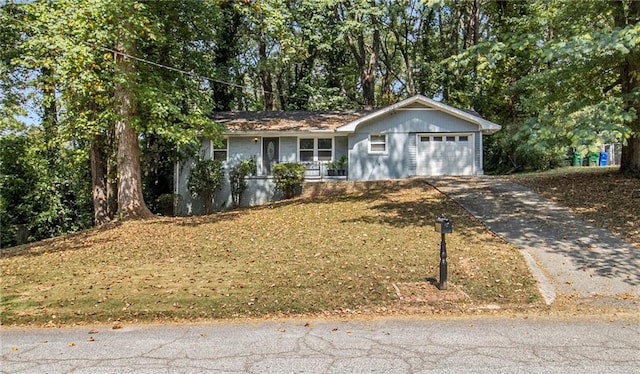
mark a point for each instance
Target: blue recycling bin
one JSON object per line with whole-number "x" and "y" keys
{"x": 604, "y": 159}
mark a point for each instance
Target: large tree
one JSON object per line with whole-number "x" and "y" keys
{"x": 626, "y": 16}
{"x": 91, "y": 66}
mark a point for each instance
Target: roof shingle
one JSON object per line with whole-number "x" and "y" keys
{"x": 285, "y": 120}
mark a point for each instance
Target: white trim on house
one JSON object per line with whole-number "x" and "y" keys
{"x": 372, "y": 143}
{"x": 213, "y": 149}
{"x": 459, "y": 148}
{"x": 316, "y": 148}
{"x": 276, "y": 133}
{"x": 485, "y": 126}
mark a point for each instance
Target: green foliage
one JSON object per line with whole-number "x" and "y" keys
{"x": 39, "y": 200}
{"x": 553, "y": 80}
{"x": 342, "y": 162}
{"x": 555, "y": 87}
{"x": 165, "y": 204}
{"x": 205, "y": 180}
{"x": 237, "y": 179}
{"x": 506, "y": 153}
{"x": 288, "y": 178}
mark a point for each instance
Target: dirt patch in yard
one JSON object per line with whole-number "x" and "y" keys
{"x": 427, "y": 292}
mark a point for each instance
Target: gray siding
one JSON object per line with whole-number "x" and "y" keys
{"x": 371, "y": 166}
{"x": 413, "y": 162}
{"x": 341, "y": 146}
{"x": 243, "y": 149}
{"x": 401, "y": 128}
{"x": 288, "y": 149}
{"x": 418, "y": 121}
{"x": 399, "y": 162}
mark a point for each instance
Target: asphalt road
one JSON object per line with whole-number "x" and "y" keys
{"x": 459, "y": 345}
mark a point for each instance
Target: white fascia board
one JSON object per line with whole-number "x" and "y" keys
{"x": 275, "y": 133}
{"x": 485, "y": 126}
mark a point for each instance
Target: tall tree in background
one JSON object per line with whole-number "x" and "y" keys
{"x": 627, "y": 19}
{"x": 361, "y": 30}
{"x": 130, "y": 199}
{"x": 103, "y": 78}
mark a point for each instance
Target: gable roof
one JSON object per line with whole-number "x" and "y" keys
{"x": 298, "y": 122}
{"x": 284, "y": 121}
{"x": 420, "y": 101}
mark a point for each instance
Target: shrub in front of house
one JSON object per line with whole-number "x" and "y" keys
{"x": 205, "y": 180}
{"x": 288, "y": 178}
{"x": 237, "y": 179}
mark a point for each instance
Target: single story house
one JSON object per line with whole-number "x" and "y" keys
{"x": 417, "y": 136}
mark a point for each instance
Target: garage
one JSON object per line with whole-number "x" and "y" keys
{"x": 415, "y": 137}
{"x": 445, "y": 154}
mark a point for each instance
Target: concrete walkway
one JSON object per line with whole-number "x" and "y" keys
{"x": 567, "y": 255}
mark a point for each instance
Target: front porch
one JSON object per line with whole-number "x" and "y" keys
{"x": 320, "y": 171}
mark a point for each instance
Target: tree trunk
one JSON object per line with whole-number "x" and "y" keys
{"x": 368, "y": 75}
{"x": 208, "y": 205}
{"x": 50, "y": 117}
{"x": 131, "y": 203}
{"x": 630, "y": 82}
{"x": 630, "y": 159}
{"x": 227, "y": 36}
{"x": 265, "y": 76}
{"x": 112, "y": 175}
{"x": 99, "y": 180}
{"x": 367, "y": 67}
{"x": 443, "y": 49}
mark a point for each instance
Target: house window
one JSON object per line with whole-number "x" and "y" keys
{"x": 451, "y": 138}
{"x": 463, "y": 138}
{"x": 377, "y": 143}
{"x": 316, "y": 149}
{"x": 325, "y": 149}
{"x": 219, "y": 150}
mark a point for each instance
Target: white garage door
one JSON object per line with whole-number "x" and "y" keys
{"x": 444, "y": 154}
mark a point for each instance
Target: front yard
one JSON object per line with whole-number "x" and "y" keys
{"x": 325, "y": 253}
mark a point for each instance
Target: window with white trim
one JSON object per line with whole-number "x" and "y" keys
{"x": 377, "y": 143}
{"x": 315, "y": 149}
{"x": 219, "y": 150}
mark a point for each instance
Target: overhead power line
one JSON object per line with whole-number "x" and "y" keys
{"x": 149, "y": 62}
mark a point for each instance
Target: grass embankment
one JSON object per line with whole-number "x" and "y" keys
{"x": 334, "y": 253}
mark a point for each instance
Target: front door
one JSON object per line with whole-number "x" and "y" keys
{"x": 270, "y": 153}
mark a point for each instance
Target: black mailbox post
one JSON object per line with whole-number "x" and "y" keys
{"x": 443, "y": 226}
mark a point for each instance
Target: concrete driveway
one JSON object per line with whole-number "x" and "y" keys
{"x": 567, "y": 255}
